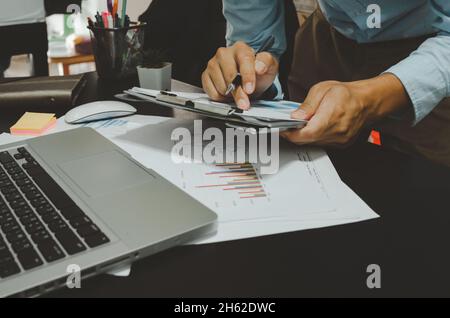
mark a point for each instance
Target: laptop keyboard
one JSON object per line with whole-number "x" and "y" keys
{"x": 39, "y": 222}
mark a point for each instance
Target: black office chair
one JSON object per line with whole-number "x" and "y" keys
{"x": 26, "y": 39}
{"x": 32, "y": 38}
{"x": 191, "y": 31}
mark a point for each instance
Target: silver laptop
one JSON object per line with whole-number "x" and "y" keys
{"x": 74, "y": 200}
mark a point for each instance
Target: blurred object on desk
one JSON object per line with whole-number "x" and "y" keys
{"x": 48, "y": 93}
{"x": 82, "y": 44}
{"x": 69, "y": 45}
{"x": 67, "y": 62}
{"x": 74, "y": 50}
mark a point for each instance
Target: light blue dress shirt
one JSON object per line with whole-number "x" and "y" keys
{"x": 425, "y": 73}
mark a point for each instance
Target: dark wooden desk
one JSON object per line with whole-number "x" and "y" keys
{"x": 410, "y": 241}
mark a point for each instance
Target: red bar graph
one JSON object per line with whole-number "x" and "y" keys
{"x": 241, "y": 178}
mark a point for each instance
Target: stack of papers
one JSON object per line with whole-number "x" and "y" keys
{"x": 271, "y": 114}
{"x": 305, "y": 193}
{"x": 33, "y": 124}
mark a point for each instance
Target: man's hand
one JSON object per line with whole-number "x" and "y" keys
{"x": 338, "y": 111}
{"x": 257, "y": 73}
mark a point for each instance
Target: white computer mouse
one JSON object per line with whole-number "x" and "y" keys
{"x": 100, "y": 110}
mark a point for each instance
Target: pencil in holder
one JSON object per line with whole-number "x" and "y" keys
{"x": 118, "y": 51}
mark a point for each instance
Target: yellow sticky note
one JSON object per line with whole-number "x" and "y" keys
{"x": 33, "y": 124}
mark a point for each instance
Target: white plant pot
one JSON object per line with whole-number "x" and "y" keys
{"x": 156, "y": 78}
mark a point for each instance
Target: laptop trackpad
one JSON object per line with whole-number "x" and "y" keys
{"x": 105, "y": 173}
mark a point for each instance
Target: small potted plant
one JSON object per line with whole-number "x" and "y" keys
{"x": 155, "y": 72}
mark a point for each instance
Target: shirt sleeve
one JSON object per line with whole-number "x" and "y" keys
{"x": 254, "y": 21}
{"x": 425, "y": 74}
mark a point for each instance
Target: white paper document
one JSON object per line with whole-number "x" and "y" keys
{"x": 280, "y": 110}
{"x": 270, "y": 110}
{"x": 305, "y": 193}
{"x": 154, "y": 93}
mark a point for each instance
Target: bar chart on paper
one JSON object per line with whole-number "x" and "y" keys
{"x": 240, "y": 179}
{"x": 231, "y": 187}
{"x": 230, "y": 183}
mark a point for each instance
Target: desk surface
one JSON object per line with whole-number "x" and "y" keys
{"x": 409, "y": 242}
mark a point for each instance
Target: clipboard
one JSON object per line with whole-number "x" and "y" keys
{"x": 225, "y": 112}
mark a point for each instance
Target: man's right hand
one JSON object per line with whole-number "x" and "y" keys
{"x": 258, "y": 73}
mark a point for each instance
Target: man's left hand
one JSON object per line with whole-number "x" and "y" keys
{"x": 337, "y": 111}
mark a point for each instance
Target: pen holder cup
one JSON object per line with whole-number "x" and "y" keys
{"x": 118, "y": 51}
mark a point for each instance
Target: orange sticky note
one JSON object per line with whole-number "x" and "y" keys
{"x": 33, "y": 124}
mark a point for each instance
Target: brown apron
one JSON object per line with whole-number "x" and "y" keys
{"x": 322, "y": 53}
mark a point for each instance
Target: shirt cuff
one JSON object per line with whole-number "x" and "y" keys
{"x": 277, "y": 84}
{"x": 274, "y": 92}
{"x": 422, "y": 82}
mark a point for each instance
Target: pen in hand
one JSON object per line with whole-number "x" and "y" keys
{"x": 237, "y": 81}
